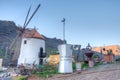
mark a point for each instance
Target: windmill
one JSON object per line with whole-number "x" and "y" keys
{"x": 14, "y": 48}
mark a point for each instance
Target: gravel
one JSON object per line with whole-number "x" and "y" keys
{"x": 102, "y": 72}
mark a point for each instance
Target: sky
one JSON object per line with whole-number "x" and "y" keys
{"x": 87, "y": 21}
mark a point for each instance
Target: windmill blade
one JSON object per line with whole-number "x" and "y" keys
{"x": 32, "y": 16}
{"x": 26, "y": 17}
{"x": 14, "y": 42}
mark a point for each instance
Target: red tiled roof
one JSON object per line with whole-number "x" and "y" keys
{"x": 33, "y": 33}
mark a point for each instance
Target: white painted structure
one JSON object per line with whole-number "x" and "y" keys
{"x": 65, "y": 65}
{"x": 30, "y": 49}
{"x": 1, "y": 61}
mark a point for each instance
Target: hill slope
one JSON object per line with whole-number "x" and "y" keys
{"x": 52, "y": 45}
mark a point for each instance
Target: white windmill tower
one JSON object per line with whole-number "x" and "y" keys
{"x": 32, "y": 44}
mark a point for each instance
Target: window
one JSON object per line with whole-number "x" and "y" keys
{"x": 25, "y": 41}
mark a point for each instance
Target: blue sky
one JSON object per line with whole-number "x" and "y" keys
{"x": 87, "y": 21}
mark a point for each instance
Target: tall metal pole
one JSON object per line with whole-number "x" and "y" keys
{"x": 63, "y": 30}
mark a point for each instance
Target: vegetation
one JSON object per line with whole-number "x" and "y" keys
{"x": 2, "y": 53}
{"x": 85, "y": 65}
{"x": 118, "y": 59}
{"x": 1, "y": 71}
{"x": 74, "y": 66}
{"x": 46, "y": 71}
{"x": 23, "y": 78}
{"x": 20, "y": 78}
{"x": 95, "y": 56}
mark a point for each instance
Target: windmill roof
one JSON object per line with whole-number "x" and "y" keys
{"x": 33, "y": 33}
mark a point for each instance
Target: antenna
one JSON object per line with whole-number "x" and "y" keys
{"x": 63, "y": 30}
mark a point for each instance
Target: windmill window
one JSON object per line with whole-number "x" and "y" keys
{"x": 25, "y": 41}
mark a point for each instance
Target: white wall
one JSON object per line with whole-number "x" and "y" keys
{"x": 29, "y": 52}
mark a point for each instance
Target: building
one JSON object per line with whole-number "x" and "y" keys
{"x": 31, "y": 46}
{"x": 104, "y": 50}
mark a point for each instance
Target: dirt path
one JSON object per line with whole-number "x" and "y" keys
{"x": 102, "y": 72}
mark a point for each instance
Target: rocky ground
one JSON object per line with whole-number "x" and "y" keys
{"x": 102, "y": 72}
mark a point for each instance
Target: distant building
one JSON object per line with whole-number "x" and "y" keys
{"x": 104, "y": 50}
{"x": 108, "y": 58}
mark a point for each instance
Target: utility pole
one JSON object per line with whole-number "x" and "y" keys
{"x": 63, "y": 30}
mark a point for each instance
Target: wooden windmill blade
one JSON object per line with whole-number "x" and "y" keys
{"x": 31, "y": 16}
{"x": 24, "y": 26}
{"x": 27, "y": 16}
{"x": 19, "y": 30}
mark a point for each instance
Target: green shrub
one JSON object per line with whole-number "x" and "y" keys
{"x": 85, "y": 65}
{"x": 118, "y": 59}
{"x": 46, "y": 71}
{"x": 22, "y": 78}
{"x": 74, "y": 66}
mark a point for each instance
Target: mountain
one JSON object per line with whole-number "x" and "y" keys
{"x": 51, "y": 45}
{"x": 8, "y": 31}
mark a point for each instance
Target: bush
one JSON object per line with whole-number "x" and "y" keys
{"x": 85, "y": 65}
{"x": 74, "y": 66}
{"x": 118, "y": 59}
{"x": 46, "y": 71}
{"x": 20, "y": 78}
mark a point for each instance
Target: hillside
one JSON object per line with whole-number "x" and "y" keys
{"x": 52, "y": 45}
{"x": 8, "y": 31}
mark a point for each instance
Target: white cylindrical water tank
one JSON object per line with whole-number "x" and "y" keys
{"x": 65, "y": 65}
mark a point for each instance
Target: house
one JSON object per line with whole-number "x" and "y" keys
{"x": 108, "y": 58}
{"x": 104, "y": 50}
{"x": 32, "y": 46}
